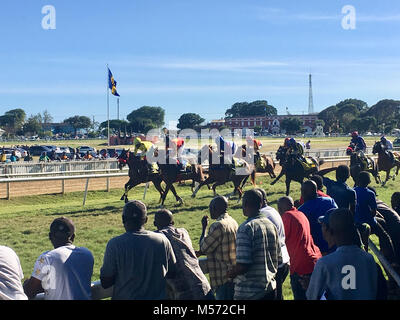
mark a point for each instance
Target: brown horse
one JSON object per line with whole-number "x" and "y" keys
{"x": 385, "y": 163}
{"x": 357, "y": 164}
{"x": 220, "y": 174}
{"x": 269, "y": 166}
{"x": 171, "y": 173}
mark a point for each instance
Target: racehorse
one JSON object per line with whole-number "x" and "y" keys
{"x": 269, "y": 164}
{"x": 220, "y": 174}
{"x": 138, "y": 173}
{"x": 293, "y": 169}
{"x": 171, "y": 173}
{"x": 357, "y": 165}
{"x": 384, "y": 161}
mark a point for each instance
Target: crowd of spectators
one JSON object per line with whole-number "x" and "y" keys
{"x": 321, "y": 245}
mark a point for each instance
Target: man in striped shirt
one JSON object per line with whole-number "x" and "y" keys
{"x": 258, "y": 253}
{"x": 220, "y": 247}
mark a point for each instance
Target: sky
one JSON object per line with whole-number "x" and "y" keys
{"x": 195, "y": 56}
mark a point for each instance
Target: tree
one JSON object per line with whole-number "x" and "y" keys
{"x": 291, "y": 125}
{"x": 78, "y": 122}
{"x": 46, "y": 117}
{"x": 189, "y": 121}
{"x": 33, "y": 126}
{"x": 146, "y": 118}
{"x": 115, "y": 125}
{"x": 13, "y": 120}
{"x": 252, "y": 109}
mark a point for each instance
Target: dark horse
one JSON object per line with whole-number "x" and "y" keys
{"x": 171, "y": 173}
{"x": 139, "y": 172}
{"x": 221, "y": 174}
{"x": 293, "y": 169}
{"x": 385, "y": 163}
{"x": 269, "y": 164}
{"x": 357, "y": 165}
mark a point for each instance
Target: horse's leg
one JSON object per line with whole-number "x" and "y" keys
{"x": 157, "y": 185}
{"x": 218, "y": 183}
{"x": 278, "y": 177}
{"x": 164, "y": 196}
{"x": 288, "y": 180}
{"x": 128, "y": 186}
{"x": 207, "y": 182}
{"x": 178, "y": 198}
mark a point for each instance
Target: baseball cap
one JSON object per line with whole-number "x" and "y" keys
{"x": 62, "y": 225}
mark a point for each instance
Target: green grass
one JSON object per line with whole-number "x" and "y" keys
{"x": 24, "y": 222}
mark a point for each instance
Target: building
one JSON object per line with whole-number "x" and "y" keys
{"x": 270, "y": 123}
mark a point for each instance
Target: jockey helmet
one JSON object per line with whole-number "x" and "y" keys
{"x": 383, "y": 139}
{"x": 137, "y": 141}
{"x": 292, "y": 142}
{"x": 354, "y": 134}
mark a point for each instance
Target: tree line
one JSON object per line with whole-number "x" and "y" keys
{"x": 345, "y": 116}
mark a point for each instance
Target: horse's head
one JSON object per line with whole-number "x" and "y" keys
{"x": 377, "y": 147}
{"x": 281, "y": 154}
{"x": 123, "y": 159}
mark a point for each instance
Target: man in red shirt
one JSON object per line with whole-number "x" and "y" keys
{"x": 319, "y": 181}
{"x": 300, "y": 245}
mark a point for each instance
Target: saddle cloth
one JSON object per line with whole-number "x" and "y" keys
{"x": 308, "y": 164}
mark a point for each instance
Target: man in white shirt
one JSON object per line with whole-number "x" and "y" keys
{"x": 63, "y": 273}
{"x": 274, "y": 216}
{"x": 10, "y": 275}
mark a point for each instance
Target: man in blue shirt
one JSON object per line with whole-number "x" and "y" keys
{"x": 313, "y": 208}
{"x": 366, "y": 209}
{"x": 344, "y": 196}
{"x": 349, "y": 273}
{"x": 358, "y": 141}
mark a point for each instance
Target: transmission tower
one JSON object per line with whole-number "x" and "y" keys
{"x": 310, "y": 97}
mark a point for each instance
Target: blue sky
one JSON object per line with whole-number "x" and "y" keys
{"x": 195, "y": 56}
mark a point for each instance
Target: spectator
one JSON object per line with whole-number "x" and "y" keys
{"x": 300, "y": 245}
{"x": 28, "y": 156}
{"x": 13, "y": 157}
{"x": 44, "y": 157}
{"x": 10, "y": 275}
{"x": 63, "y": 273}
{"x": 258, "y": 253}
{"x": 313, "y": 208}
{"x": 88, "y": 156}
{"x": 219, "y": 245}
{"x": 349, "y": 273}
{"x": 190, "y": 282}
{"x": 395, "y": 201}
{"x": 3, "y": 157}
{"x": 318, "y": 180}
{"x": 389, "y": 219}
{"x": 275, "y": 218}
{"x": 366, "y": 209}
{"x": 64, "y": 156}
{"x": 137, "y": 262}
{"x": 344, "y": 196}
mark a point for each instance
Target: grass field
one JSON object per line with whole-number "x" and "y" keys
{"x": 24, "y": 222}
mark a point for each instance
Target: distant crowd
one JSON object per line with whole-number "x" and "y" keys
{"x": 319, "y": 241}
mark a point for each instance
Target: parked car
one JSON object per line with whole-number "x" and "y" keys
{"x": 112, "y": 152}
{"x": 396, "y": 143}
{"x": 84, "y": 149}
{"x": 38, "y": 150}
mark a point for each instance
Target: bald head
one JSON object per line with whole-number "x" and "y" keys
{"x": 218, "y": 206}
{"x": 163, "y": 218}
{"x": 309, "y": 190}
{"x": 396, "y": 201}
{"x": 264, "y": 196}
{"x": 285, "y": 204}
{"x": 341, "y": 224}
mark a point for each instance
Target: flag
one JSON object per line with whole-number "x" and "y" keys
{"x": 112, "y": 84}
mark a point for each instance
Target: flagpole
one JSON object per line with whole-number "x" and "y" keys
{"x": 108, "y": 110}
{"x": 118, "y": 108}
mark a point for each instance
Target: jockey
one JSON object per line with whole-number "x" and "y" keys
{"x": 223, "y": 145}
{"x": 358, "y": 142}
{"x": 143, "y": 146}
{"x": 296, "y": 149}
{"x": 176, "y": 145}
{"x": 387, "y": 146}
